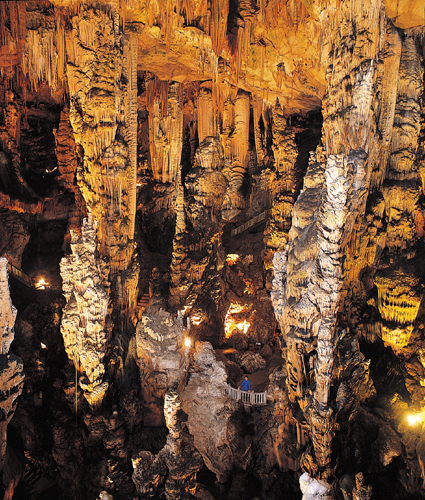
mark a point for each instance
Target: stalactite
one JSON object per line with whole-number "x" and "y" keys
{"x": 219, "y": 15}
{"x": 165, "y": 130}
{"x": 206, "y": 117}
{"x": 131, "y": 120}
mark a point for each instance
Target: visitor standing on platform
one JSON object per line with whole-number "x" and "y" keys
{"x": 246, "y": 384}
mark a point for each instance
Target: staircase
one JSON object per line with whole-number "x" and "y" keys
{"x": 142, "y": 304}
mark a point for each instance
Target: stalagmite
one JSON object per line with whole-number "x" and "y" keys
{"x": 283, "y": 184}
{"x": 238, "y": 156}
{"x": 86, "y": 328}
{"x": 103, "y": 116}
{"x": 195, "y": 274}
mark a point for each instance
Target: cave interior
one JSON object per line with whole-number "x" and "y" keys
{"x": 195, "y": 191}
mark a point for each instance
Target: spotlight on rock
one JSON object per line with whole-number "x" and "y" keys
{"x": 232, "y": 258}
{"x": 41, "y": 284}
{"x": 414, "y": 419}
{"x": 188, "y": 342}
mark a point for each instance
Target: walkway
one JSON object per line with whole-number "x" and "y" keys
{"x": 251, "y": 223}
{"x": 19, "y": 275}
{"x": 250, "y": 398}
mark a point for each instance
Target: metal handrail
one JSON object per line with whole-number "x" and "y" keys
{"x": 19, "y": 275}
{"x": 252, "y": 398}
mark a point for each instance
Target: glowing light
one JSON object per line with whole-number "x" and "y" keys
{"x": 184, "y": 310}
{"x": 43, "y": 346}
{"x": 232, "y": 323}
{"x": 232, "y": 258}
{"x": 249, "y": 287}
{"x": 188, "y": 342}
{"x": 196, "y": 319}
{"x": 41, "y": 284}
{"x": 416, "y": 418}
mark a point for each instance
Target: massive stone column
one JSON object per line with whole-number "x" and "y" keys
{"x": 237, "y": 152}
{"x": 283, "y": 185}
{"x": 197, "y": 242}
{"x": 11, "y": 366}
{"x": 206, "y": 118}
{"x": 102, "y": 79}
{"x": 362, "y": 47}
{"x": 86, "y": 325}
{"x": 165, "y": 129}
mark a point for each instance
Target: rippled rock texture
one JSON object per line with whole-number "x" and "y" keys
{"x": 11, "y": 366}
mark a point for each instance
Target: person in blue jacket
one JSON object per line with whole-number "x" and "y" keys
{"x": 246, "y": 384}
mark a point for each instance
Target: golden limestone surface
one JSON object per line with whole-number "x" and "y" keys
{"x": 287, "y": 135}
{"x": 86, "y": 327}
{"x": 11, "y": 367}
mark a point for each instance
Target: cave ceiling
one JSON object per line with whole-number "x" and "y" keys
{"x": 271, "y": 49}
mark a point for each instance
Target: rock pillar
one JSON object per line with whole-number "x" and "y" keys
{"x": 11, "y": 366}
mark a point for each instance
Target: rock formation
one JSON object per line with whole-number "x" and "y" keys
{"x": 178, "y": 461}
{"x": 11, "y": 366}
{"x": 162, "y": 346}
{"x": 175, "y": 154}
{"x": 197, "y": 254}
{"x": 209, "y": 411}
{"x": 86, "y": 327}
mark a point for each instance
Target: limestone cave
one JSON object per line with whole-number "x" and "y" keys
{"x": 212, "y": 249}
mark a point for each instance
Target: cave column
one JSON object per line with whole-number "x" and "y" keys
{"x": 283, "y": 184}
{"x": 102, "y": 80}
{"x": 334, "y": 195}
{"x": 206, "y": 118}
{"x": 238, "y": 154}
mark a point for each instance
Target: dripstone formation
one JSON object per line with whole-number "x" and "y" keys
{"x": 192, "y": 192}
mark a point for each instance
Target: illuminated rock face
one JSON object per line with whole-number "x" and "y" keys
{"x": 162, "y": 357}
{"x": 11, "y": 366}
{"x": 399, "y": 294}
{"x": 102, "y": 79}
{"x": 176, "y": 464}
{"x": 86, "y": 325}
{"x": 197, "y": 253}
{"x": 309, "y": 278}
{"x": 283, "y": 184}
{"x": 229, "y": 75}
{"x": 307, "y": 288}
{"x": 209, "y": 411}
{"x": 165, "y": 132}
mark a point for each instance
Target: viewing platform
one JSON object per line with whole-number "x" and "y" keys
{"x": 248, "y": 398}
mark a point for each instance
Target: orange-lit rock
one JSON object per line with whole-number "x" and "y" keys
{"x": 197, "y": 254}
{"x": 86, "y": 325}
{"x": 11, "y": 366}
{"x": 186, "y": 129}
